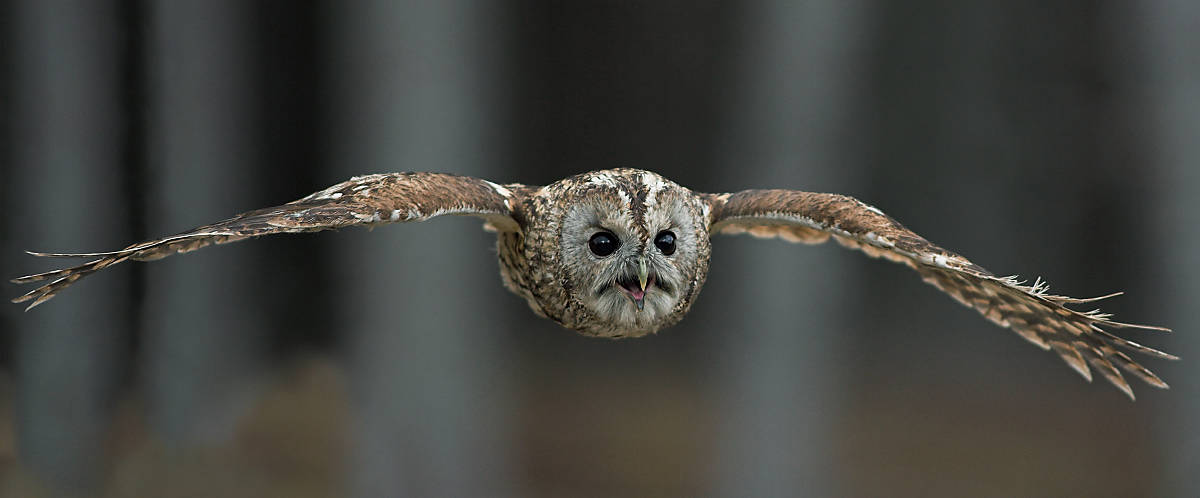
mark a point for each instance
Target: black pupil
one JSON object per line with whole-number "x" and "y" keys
{"x": 665, "y": 242}
{"x": 602, "y": 243}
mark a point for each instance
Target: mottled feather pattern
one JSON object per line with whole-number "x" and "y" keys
{"x": 1079, "y": 338}
{"x": 543, "y": 251}
{"x": 543, "y": 268}
{"x": 365, "y": 200}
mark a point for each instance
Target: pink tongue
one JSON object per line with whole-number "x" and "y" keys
{"x": 634, "y": 292}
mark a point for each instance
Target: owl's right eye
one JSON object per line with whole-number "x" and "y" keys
{"x": 603, "y": 243}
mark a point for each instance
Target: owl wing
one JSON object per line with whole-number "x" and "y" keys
{"x": 1044, "y": 319}
{"x": 366, "y": 200}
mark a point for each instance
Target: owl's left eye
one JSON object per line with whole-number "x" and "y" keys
{"x": 665, "y": 242}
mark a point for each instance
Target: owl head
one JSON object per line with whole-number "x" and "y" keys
{"x": 634, "y": 250}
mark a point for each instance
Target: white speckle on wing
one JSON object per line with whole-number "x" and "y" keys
{"x": 872, "y": 209}
{"x": 329, "y": 193}
{"x": 879, "y": 240}
{"x": 361, "y": 187}
{"x": 500, "y": 190}
{"x": 413, "y": 214}
{"x": 368, "y": 218}
{"x": 395, "y": 215}
{"x": 803, "y": 220}
{"x": 939, "y": 260}
{"x": 369, "y": 178}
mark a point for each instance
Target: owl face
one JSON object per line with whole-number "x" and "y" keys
{"x": 634, "y": 251}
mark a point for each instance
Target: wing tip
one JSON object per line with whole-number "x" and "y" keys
{"x": 37, "y": 277}
{"x": 75, "y": 254}
{"x": 26, "y": 297}
{"x": 1154, "y": 381}
{"x": 37, "y": 302}
{"x": 1122, "y": 325}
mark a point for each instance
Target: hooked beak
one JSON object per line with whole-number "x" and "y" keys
{"x": 645, "y": 280}
{"x": 643, "y": 273}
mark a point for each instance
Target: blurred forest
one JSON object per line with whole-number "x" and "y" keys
{"x": 1052, "y": 139}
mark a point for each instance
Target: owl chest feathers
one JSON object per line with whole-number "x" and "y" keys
{"x": 529, "y": 263}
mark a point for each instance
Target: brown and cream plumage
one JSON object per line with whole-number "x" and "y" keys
{"x": 624, "y": 252}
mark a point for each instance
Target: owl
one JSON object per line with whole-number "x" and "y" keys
{"x": 624, "y": 252}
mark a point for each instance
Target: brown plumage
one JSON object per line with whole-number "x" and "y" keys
{"x": 624, "y": 252}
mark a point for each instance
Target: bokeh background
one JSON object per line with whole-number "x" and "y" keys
{"x": 1053, "y": 139}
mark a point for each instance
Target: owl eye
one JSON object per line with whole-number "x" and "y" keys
{"x": 665, "y": 242}
{"x": 603, "y": 243}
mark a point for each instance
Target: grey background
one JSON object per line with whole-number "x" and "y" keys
{"x": 1044, "y": 139}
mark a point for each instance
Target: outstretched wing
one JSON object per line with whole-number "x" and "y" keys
{"x": 364, "y": 200}
{"x": 1044, "y": 319}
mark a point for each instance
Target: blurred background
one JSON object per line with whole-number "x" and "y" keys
{"x": 1041, "y": 139}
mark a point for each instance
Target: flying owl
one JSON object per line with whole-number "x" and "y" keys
{"x": 624, "y": 252}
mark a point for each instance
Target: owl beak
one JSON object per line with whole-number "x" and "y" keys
{"x": 643, "y": 278}
{"x": 637, "y": 295}
{"x": 643, "y": 274}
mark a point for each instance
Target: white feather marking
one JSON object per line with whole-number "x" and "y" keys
{"x": 603, "y": 180}
{"x": 500, "y": 190}
{"x": 361, "y": 187}
{"x": 368, "y": 218}
{"x": 872, "y": 209}
{"x": 654, "y": 184}
{"x": 652, "y": 181}
{"x": 326, "y": 194}
{"x": 395, "y": 215}
{"x": 442, "y": 211}
{"x": 625, "y": 200}
{"x": 803, "y": 220}
{"x": 939, "y": 260}
{"x": 879, "y": 240}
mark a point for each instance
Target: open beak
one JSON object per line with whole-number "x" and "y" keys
{"x": 645, "y": 280}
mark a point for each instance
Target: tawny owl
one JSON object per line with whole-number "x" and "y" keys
{"x": 624, "y": 252}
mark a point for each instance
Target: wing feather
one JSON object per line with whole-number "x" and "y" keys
{"x": 1043, "y": 319}
{"x": 361, "y": 201}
